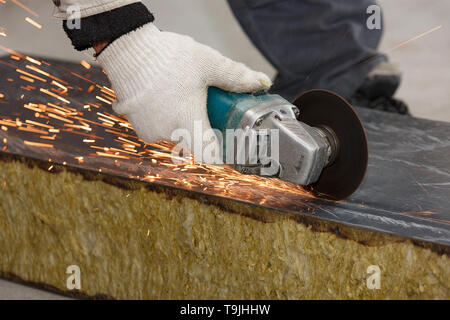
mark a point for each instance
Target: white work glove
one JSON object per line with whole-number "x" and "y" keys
{"x": 161, "y": 81}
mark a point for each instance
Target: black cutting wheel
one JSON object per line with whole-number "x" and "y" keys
{"x": 327, "y": 109}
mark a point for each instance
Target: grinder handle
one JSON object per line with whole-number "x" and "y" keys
{"x": 225, "y": 109}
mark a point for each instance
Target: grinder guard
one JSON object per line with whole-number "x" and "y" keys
{"x": 322, "y": 108}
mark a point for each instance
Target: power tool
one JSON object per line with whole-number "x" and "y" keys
{"x": 320, "y": 141}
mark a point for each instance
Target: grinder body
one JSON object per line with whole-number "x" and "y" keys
{"x": 282, "y": 146}
{"x": 318, "y": 141}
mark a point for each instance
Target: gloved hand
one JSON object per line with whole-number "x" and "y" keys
{"x": 161, "y": 81}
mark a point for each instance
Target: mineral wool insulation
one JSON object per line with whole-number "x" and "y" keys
{"x": 137, "y": 240}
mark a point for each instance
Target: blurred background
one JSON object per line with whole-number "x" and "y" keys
{"x": 425, "y": 62}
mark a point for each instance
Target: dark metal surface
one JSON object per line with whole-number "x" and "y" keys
{"x": 406, "y": 190}
{"x": 342, "y": 177}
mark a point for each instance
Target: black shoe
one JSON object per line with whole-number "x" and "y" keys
{"x": 378, "y": 90}
{"x": 387, "y": 104}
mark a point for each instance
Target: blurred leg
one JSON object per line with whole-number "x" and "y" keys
{"x": 312, "y": 43}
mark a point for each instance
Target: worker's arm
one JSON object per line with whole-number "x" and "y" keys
{"x": 160, "y": 78}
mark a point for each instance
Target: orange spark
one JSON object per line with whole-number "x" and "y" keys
{"x": 130, "y": 142}
{"x": 33, "y": 61}
{"x": 31, "y": 75}
{"x": 48, "y": 137}
{"x": 25, "y": 8}
{"x": 39, "y": 124}
{"x": 85, "y": 64}
{"x": 36, "y": 69}
{"x": 54, "y": 95}
{"x": 38, "y": 144}
{"x": 59, "y": 118}
{"x": 108, "y": 91}
{"x": 415, "y": 38}
{"x": 103, "y": 100}
{"x": 27, "y": 79}
{"x": 400, "y": 45}
{"x": 111, "y": 155}
{"x": 31, "y": 129}
{"x": 33, "y": 23}
{"x": 8, "y": 123}
{"x": 33, "y": 107}
{"x": 56, "y": 83}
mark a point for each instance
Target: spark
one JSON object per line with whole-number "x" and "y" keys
{"x": 59, "y": 118}
{"x": 25, "y": 8}
{"x": 39, "y": 124}
{"x": 38, "y": 144}
{"x": 31, "y": 75}
{"x": 85, "y": 64}
{"x": 128, "y": 141}
{"x": 419, "y": 213}
{"x": 103, "y": 100}
{"x": 33, "y": 107}
{"x": 33, "y": 23}
{"x": 27, "y": 79}
{"x": 8, "y": 123}
{"x": 108, "y": 91}
{"x": 109, "y": 117}
{"x": 31, "y": 129}
{"x": 111, "y": 155}
{"x": 415, "y": 38}
{"x": 36, "y": 69}
{"x": 400, "y": 45}
{"x": 32, "y": 60}
{"x": 107, "y": 122}
{"x": 78, "y": 127}
{"x": 53, "y": 137}
{"x": 56, "y": 83}
{"x": 54, "y": 95}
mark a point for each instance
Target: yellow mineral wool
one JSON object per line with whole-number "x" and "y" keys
{"x": 137, "y": 240}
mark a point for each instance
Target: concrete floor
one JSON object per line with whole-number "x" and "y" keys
{"x": 425, "y": 62}
{"x": 13, "y": 291}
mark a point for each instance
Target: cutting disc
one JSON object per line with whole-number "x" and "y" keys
{"x": 322, "y": 108}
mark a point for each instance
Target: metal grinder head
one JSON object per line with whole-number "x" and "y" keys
{"x": 337, "y": 120}
{"x": 319, "y": 142}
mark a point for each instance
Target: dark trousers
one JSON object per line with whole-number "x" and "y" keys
{"x": 312, "y": 43}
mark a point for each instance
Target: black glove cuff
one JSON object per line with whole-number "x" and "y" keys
{"x": 108, "y": 26}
